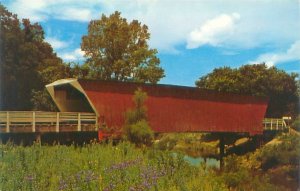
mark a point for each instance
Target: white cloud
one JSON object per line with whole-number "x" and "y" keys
{"x": 77, "y": 14}
{"x": 171, "y": 22}
{"x": 75, "y": 55}
{"x": 213, "y": 32}
{"x": 42, "y": 10}
{"x": 79, "y": 52}
{"x": 271, "y": 59}
{"x": 56, "y": 43}
{"x": 32, "y": 9}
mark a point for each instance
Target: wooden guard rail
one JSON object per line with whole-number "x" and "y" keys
{"x": 39, "y": 121}
{"x": 274, "y": 124}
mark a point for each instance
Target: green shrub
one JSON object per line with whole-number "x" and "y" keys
{"x": 296, "y": 124}
{"x": 140, "y": 111}
{"x": 237, "y": 176}
{"x": 272, "y": 167}
{"x": 140, "y": 133}
{"x": 137, "y": 129}
{"x": 285, "y": 153}
{"x": 166, "y": 142}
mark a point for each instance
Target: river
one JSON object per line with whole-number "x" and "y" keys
{"x": 210, "y": 162}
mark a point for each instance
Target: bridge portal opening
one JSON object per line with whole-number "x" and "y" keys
{"x": 71, "y": 99}
{"x": 69, "y": 96}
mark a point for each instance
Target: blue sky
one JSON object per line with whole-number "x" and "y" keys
{"x": 192, "y": 37}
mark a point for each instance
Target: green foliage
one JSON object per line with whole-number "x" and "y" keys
{"x": 27, "y": 62}
{"x": 137, "y": 129}
{"x": 192, "y": 144}
{"x": 76, "y": 70}
{"x": 298, "y": 87}
{"x": 257, "y": 80}
{"x": 167, "y": 142}
{"x": 287, "y": 152}
{"x": 273, "y": 167}
{"x": 238, "y": 177}
{"x": 118, "y": 50}
{"x": 126, "y": 167}
{"x": 296, "y": 123}
{"x": 140, "y": 111}
{"x": 140, "y": 132}
{"x": 42, "y": 101}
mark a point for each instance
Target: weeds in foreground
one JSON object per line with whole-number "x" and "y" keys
{"x": 125, "y": 167}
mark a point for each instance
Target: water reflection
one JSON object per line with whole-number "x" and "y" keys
{"x": 197, "y": 161}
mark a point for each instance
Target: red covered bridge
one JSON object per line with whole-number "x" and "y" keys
{"x": 170, "y": 108}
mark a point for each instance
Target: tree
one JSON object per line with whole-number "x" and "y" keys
{"x": 118, "y": 50}
{"x": 9, "y": 41}
{"x": 137, "y": 129}
{"x": 28, "y": 63}
{"x": 257, "y": 80}
{"x": 76, "y": 70}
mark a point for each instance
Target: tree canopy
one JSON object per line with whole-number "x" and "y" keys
{"x": 118, "y": 50}
{"x": 27, "y": 61}
{"x": 257, "y": 80}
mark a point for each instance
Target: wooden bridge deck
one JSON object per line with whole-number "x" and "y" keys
{"x": 39, "y": 121}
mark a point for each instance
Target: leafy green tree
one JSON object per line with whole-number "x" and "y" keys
{"x": 27, "y": 62}
{"x": 257, "y": 80}
{"x": 42, "y": 101}
{"x": 76, "y": 70}
{"x": 298, "y": 86}
{"x": 137, "y": 129}
{"x": 118, "y": 50}
{"x": 9, "y": 41}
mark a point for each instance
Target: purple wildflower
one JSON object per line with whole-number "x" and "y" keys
{"x": 150, "y": 176}
{"x": 124, "y": 165}
{"x": 110, "y": 187}
{"x": 63, "y": 185}
{"x": 90, "y": 176}
{"x": 29, "y": 178}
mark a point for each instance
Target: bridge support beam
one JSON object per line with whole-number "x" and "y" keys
{"x": 38, "y": 138}
{"x": 222, "y": 150}
{"x": 258, "y": 141}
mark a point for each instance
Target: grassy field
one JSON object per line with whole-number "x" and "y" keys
{"x": 124, "y": 167}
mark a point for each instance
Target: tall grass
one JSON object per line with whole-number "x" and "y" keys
{"x": 124, "y": 167}
{"x": 99, "y": 167}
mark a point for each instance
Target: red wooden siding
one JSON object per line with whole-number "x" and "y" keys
{"x": 177, "y": 108}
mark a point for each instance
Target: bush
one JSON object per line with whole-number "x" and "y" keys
{"x": 296, "y": 124}
{"x": 167, "y": 142}
{"x": 140, "y": 133}
{"x": 237, "y": 176}
{"x": 137, "y": 129}
{"x": 285, "y": 153}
